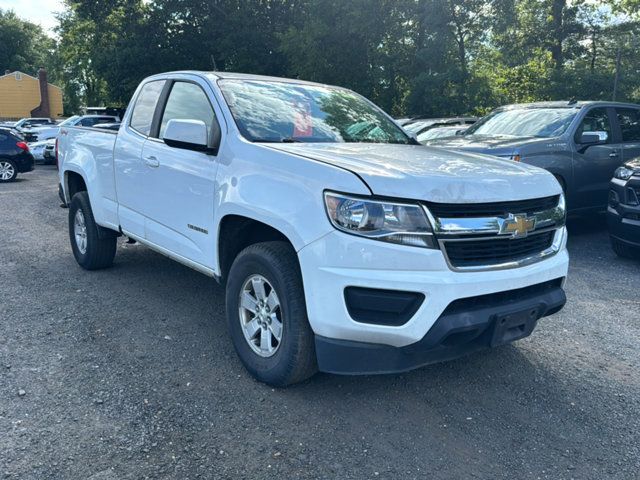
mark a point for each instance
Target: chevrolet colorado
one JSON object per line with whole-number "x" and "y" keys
{"x": 344, "y": 246}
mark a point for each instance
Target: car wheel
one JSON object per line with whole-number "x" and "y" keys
{"x": 624, "y": 250}
{"x": 8, "y": 171}
{"x": 93, "y": 247}
{"x": 267, "y": 314}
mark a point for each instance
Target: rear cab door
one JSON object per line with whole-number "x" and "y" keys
{"x": 628, "y": 119}
{"x": 129, "y": 169}
{"x": 594, "y": 164}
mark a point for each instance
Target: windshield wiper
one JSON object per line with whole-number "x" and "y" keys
{"x": 279, "y": 140}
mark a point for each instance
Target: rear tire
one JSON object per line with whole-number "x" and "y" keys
{"x": 269, "y": 272}
{"x": 94, "y": 247}
{"x": 8, "y": 171}
{"x": 624, "y": 250}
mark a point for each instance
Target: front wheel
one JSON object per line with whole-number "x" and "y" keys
{"x": 267, "y": 315}
{"x": 93, "y": 246}
{"x": 8, "y": 171}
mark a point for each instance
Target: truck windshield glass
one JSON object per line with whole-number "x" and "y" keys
{"x": 525, "y": 122}
{"x": 287, "y": 112}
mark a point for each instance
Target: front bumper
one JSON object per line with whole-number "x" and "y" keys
{"x": 623, "y": 213}
{"x": 338, "y": 260}
{"x": 464, "y": 327}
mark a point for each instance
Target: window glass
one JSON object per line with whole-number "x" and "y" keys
{"x": 187, "y": 101}
{"x": 596, "y": 120}
{"x": 525, "y": 122}
{"x": 629, "y": 119}
{"x": 145, "y": 106}
{"x": 272, "y": 111}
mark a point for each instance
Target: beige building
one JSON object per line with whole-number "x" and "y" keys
{"x": 22, "y": 95}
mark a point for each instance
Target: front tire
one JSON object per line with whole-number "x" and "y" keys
{"x": 267, "y": 315}
{"x": 8, "y": 171}
{"x": 93, "y": 247}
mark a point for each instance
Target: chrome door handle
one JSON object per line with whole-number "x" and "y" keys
{"x": 152, "y": 161}
{"x": 613, "y": 154}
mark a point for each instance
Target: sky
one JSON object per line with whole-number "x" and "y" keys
{"x": 36, "y": 11}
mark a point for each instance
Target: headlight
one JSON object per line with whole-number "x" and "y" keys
{"x": 400, "y": 223}
{"x": 623, "y": 173}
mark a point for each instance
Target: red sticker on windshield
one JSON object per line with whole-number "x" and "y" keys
{"x": 303, "y": 124}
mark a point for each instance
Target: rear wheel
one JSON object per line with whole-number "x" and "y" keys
{"x": 8, "y": 171}
{"x": 93, "y": 247}
{"x": 624, "y": 250}
{"x": 267, "y": 315}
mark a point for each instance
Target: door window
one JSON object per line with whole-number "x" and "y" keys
{"x": 596, "y": 120}
{"x": 629, "y": 119}
{"x": 187, "y": 101}
{"x": 145, "y": 106}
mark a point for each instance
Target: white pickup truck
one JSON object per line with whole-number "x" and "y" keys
{"x": 343, "y": 245}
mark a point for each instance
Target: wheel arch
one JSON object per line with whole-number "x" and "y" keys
{"x": 238, "y": 231}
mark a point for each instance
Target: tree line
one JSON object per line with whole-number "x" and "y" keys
{"x": 428, "y": 57}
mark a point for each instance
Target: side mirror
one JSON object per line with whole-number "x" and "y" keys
{"x": 186, "y": 134}
{"x": 592, "y": 138}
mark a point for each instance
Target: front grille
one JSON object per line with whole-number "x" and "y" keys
{"x": 496, "y": 250}
{"x": 465, "y": 210}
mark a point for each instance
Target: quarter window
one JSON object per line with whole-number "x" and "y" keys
{"x": 187, "y": 101}
{"x": 596, "y": 120}
{"x": 145, "y": 106}
{"x": 629, "y": 119}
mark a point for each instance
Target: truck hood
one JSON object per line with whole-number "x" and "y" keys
{"x": 431, "y": 174}
{"x": 490, "y": 144}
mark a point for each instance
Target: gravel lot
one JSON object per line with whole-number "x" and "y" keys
{"x": 128, "y": 373}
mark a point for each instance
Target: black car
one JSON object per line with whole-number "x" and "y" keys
{"x": 14, "y": 156}
{"x": 623, "y": 214}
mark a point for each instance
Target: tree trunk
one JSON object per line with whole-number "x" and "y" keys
{"x": 557, "y": 14}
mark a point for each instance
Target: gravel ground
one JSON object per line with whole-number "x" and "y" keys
{"x": 128, "y": 373}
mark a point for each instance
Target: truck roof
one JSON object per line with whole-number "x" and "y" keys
{"x": 239, "y": 76}
{"x": 567, "y": 104}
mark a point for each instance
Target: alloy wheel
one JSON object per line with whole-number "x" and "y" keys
{"x": 80, "y": 232}
{"x": 7, "y": 171}
{"x": 260, "y": 316}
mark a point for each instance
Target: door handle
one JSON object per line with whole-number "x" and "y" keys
{"x": 613, "y": 154}
{"x": 152, "y": 161}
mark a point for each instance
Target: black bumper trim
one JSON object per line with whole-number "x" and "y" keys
{"x": 471, "y": 325}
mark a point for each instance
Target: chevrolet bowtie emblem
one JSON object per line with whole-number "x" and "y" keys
{"x": 517, "y": 226}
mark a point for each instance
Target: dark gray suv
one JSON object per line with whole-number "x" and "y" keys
{"x": 581, "y": 143}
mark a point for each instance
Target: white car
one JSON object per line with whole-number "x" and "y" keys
{"x": 37, "y": 149}
{"x": 343, "y": 247}
{"x": 38, "y": 134}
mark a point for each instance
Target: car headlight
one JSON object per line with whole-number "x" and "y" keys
{"x": 400, "y": 223}
{"x": 623, "y": 173}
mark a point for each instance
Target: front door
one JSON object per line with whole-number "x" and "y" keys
{"x": 180, "y": 184}
{"x": 594, "y": 165}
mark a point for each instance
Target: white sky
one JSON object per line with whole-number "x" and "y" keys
{"x": 36, "y": 11}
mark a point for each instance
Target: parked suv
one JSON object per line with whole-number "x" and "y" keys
{"x": 14, "y": 156}
{"x": 581, "y": 143}
{"x": 344, "y": 246}
{"x": 623, "y": 214}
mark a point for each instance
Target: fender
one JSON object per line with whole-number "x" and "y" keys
{"x": 283, "y": 191}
